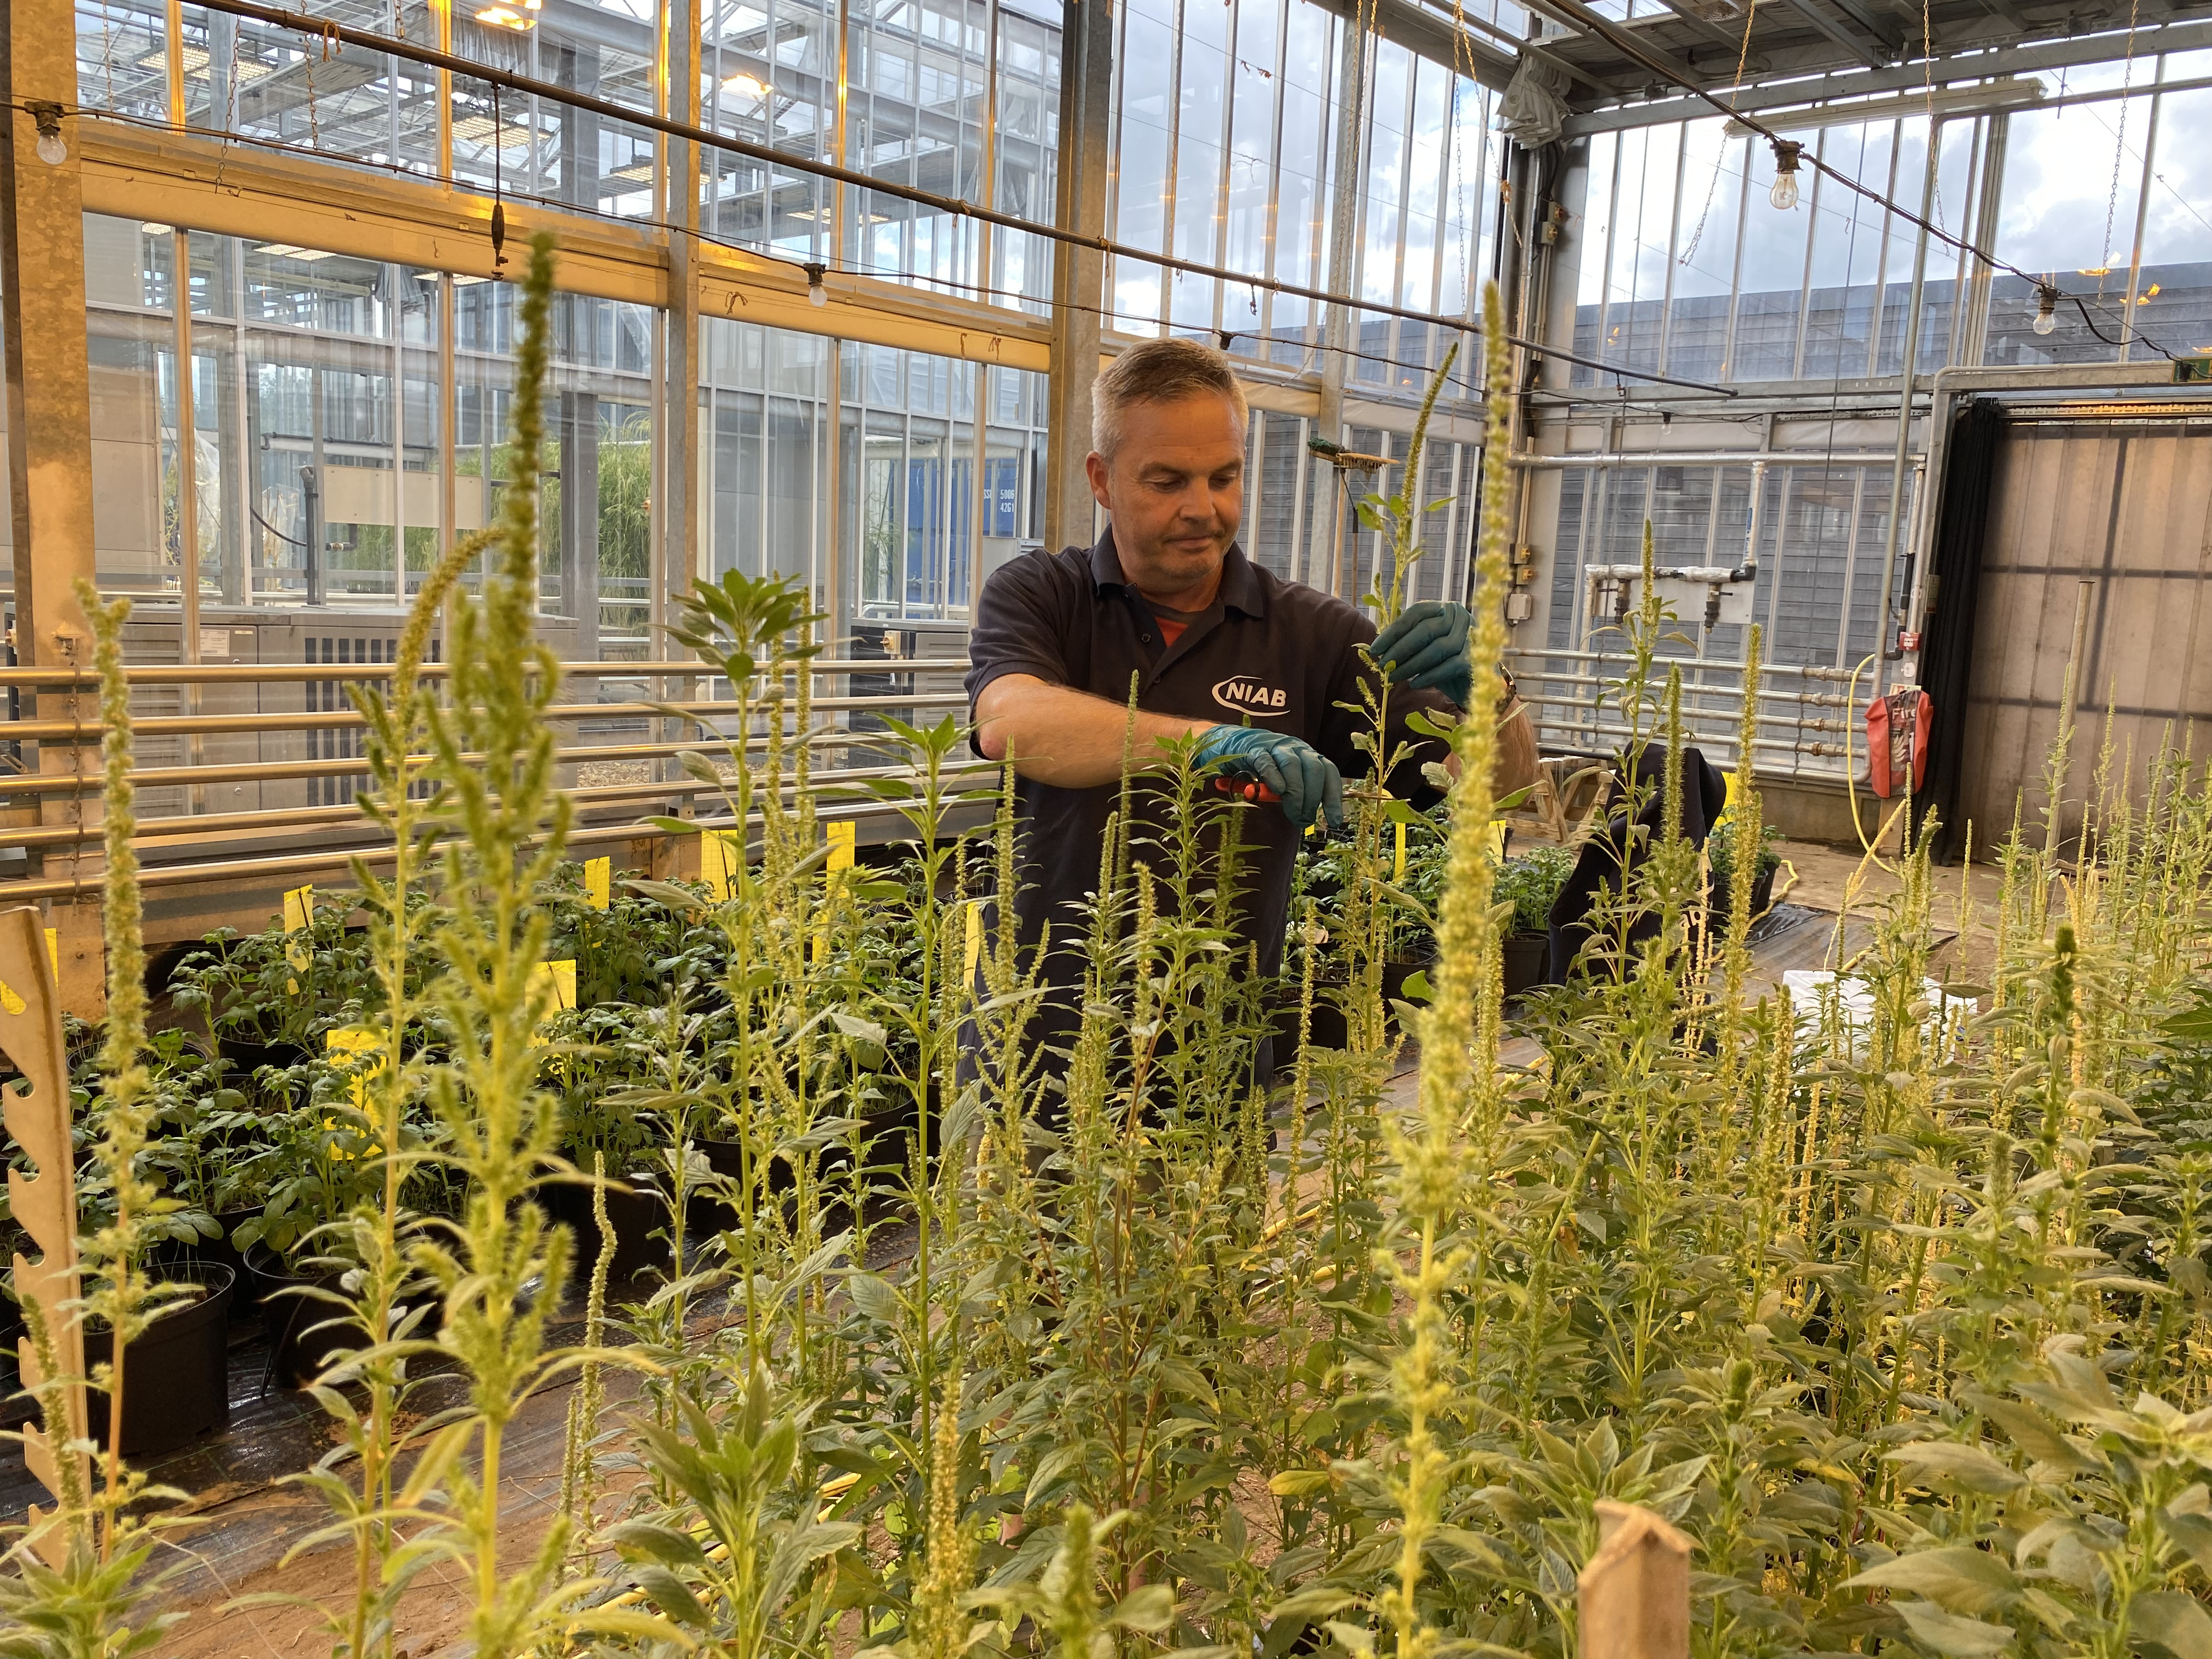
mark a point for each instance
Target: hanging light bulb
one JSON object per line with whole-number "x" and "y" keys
{"x": 816, "y": 293}
{"x": 2046, "y": 308}
{"x": 53, "y": 148}
{"x": 1784, "y": 193}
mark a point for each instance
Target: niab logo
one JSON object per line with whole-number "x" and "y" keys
{"x": 1248, "y": 697}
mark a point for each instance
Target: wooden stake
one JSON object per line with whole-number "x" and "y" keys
{"x": 1635, "y": 1592}
{"x": 37, "y": 1111}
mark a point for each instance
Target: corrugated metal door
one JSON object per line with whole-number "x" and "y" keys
{"x": 2100, "y": 523}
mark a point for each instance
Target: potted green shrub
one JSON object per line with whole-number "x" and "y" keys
{"x": 604, "y": 1063}
{"x": 266, "y": 999}
{"x": 319, "y": 1161}
{"x": 206, "y": 1157}
{"x": 1529, "y": 882}
{"x": 1721, "y": 861}
{"x": 186, "y": 1347}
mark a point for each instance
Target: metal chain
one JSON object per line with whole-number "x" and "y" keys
{"x": 1720, "y": 161}
{"x": 2119, "y": 156}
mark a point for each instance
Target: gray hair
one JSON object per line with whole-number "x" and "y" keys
{"x": 1158, "y": 372}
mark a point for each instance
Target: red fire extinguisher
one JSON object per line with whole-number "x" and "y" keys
{"x": 1896, "y": 738}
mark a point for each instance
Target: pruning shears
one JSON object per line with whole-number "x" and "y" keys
{"x": 1245, "y": 789}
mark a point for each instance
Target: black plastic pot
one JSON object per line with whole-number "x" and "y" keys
{"x": 305, "y": 1332}
{"x": 177, "y": 1258}
{"x": 1762, "y": 901}
{"x": 248, "y": 1057}
{"x": 1394, "y": 975}
{"x": 1524, "y": 958}
{"x": 176, "y": 1376}
{"x": 640, "y": 1221}
{"x": 1327, "y": 1027}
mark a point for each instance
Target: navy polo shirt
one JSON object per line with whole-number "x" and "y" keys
{"x": 1267, "y": 652}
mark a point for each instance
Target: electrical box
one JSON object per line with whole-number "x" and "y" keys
{"x": 1691, "y": 604}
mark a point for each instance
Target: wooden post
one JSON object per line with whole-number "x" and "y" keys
{"x": 37, "y": 1116}
{"x": 1635, "y": 1592}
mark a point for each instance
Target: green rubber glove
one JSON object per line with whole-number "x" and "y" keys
{"x": 1426, "y": 648}
{"x": 1306, "y": 780}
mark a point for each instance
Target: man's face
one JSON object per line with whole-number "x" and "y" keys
{"x": 1176, "y": 488}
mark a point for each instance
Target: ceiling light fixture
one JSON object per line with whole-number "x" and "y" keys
{"x": 290, "y": 251}
{"x": 53, "y": 148}
{"x": 1784, "y": 193}
{"x": 505, "y": 17}
{"x": 2046, "y": 308}
{"x": 742, "y": 85}
{"x": 816, "y": 293}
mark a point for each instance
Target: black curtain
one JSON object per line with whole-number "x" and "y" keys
{"x": 1955, "y": 585}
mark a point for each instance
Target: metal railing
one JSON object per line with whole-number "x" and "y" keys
{"x": 696, "y": 710}
{"x": 1806, "y": 729}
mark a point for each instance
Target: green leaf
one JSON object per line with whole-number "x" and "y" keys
{"x": 1352, "y": 1638}
{"x": 875, "y": 1298}
{"x": 1148, "y": 1608}
{"x": 1959, "y": 1464}
{"x": 1957, "y": 1638}
{"x": 864, "y": 1030}
{"x": 675, "y": 898}
{"x": 672, "y": 1596}
{"x": 1053, "y": 1465}
{"x": 1314, "y": 1601}
{"x": 1297, "y": 1483}
{"x": 668, "y": 1545}
{"x": 697, "y": 767}
{"x": 2031, "y": 1431}
{"x": 2176, "y": 1622}
{"x": 2194, "y": 1534}
{"x": 1973, "y": 1580}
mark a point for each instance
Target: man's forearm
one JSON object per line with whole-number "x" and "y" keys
{"x": 1070, "y": 739}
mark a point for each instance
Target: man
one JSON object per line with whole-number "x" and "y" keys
{"x": 1258, "y": 669}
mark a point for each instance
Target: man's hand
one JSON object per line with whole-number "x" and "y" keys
{"x": 1307, "y": 781}
{"x": 1427, "y": 649}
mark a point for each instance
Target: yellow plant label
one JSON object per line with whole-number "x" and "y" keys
{"x": 842, "y": 843}
{"x": 1728, "y": 805}
{"x": 974, "y": 908}
{"x": 299, "y": 917}
{"x": 54, "y": 952}
{"x": 561, "y": 977}
{"x": 598, "y": 883}
{"x": 348, "y": 1042}
{"x": 720, "y": 853}
{"x": 9, "y": 1000}
{"x": 1398, "y": 870}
